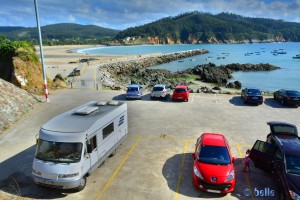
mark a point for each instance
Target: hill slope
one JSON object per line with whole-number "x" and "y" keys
{"x": 198, "y": 27}
{"x": 14, "y": 102}
{"x": 61, "y": 31}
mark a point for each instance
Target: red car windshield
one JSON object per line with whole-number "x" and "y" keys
{"x": 180, "y": 90}
{"x": 214, "y": 155}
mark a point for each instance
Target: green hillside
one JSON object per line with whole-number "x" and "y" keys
{"x": 225, "y": 27}
{"x": 65, "y": 33}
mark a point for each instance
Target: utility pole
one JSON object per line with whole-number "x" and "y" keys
{"x": 41, "y": 51}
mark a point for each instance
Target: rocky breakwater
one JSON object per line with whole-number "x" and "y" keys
{"x": 221, "y": 75}
{"x": 118, "y": 75}
{"x": 114, "y": 75}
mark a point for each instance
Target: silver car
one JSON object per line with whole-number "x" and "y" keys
{"x": 160, "y": 91}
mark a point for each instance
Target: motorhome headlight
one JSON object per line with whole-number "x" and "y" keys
{"x": 68, "y": 175}
{"x": 36, "y": 172}
{"x": 230, "y": 176}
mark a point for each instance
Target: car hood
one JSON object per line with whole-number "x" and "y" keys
{"x": 210, "y": 171}
{"x": 294, "y": 182}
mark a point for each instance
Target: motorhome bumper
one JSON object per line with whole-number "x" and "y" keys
{"x": 59, "y": 184}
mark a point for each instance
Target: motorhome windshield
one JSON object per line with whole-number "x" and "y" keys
{"x": 60, "y": 152}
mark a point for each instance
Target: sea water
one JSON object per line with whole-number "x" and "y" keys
{"x": 221, "y": 54}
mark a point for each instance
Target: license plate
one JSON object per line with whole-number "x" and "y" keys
{"x": 213, "y": 191}
{"x": 254, "y": 98}
{"x": 179, "y": 97}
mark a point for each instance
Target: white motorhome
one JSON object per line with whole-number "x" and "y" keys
{"x": 71, "y": 145}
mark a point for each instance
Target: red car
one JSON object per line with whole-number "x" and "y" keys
{"x": 213, "y": 164}
{"x": 181, "y": 92}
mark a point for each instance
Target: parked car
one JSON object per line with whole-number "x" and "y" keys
{"x": 160, "y": 91}
{"x": 252, "y": 95}
{"x": 134, "y": 91}
{"x": 291, "y": 97}
{"x": 280, "y": 155}
{"x": 181, "y": 92}
{"x": 213, "y": 164}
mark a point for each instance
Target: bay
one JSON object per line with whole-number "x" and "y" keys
{"x": 220, "y": 54}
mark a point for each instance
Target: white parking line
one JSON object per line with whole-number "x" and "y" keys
{"x": 193, "y": 98}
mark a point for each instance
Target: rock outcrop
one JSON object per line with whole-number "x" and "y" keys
{"x": 14, "y": 103}
{"x": 114, "y": 74}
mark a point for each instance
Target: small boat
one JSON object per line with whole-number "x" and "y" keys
{"x": 220, "y": 57}
{"x": 180, "y": 60}
{"x": 193, "y": 59}
{"x": 279, "y": 51}
{"x": 297, "y": 56}
{"x": 247, "y": 54}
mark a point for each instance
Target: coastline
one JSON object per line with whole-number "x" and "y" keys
{"x": 63, "y": 59}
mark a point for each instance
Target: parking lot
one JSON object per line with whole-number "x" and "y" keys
{"x": 155, "y": 161}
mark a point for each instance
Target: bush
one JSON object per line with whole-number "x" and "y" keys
{"x": 23, "y": 49}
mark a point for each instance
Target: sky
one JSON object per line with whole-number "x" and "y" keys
{"x": 123, "y": 14}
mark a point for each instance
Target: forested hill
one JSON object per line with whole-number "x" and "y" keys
{"x": 198, "y": 27}
{"x": 64, "y": 32}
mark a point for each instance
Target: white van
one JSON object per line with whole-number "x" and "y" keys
{"x": 71, "y": 145}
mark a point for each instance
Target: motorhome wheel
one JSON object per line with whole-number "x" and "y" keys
{"x": 82, "y": 184}
{"x": 113, "y": 153}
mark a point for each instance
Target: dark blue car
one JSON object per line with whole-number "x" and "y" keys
{"x": 252, "y": 95}
{"x": 290, "y": 97}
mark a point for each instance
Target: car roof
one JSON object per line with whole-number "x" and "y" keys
{"x": 252, "y": 88}
{"x": 289, "y": 90}
{"x": 133, "y": 85}
{"x": 289, "y": 144}
{"x": 181, "y": 86}
{"x": 213, "y": 139}
{"x": 159, "y": 85}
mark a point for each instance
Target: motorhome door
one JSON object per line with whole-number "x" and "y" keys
{"x": 92, "y": 150}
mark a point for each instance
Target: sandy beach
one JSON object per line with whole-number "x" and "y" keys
{"x": 63, "y": 59}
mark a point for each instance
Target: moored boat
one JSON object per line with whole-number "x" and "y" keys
{"x": 297, "y": 56}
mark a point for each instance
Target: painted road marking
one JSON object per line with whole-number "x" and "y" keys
{"x": 118, "y": 169}
{"x": 193, "y": 97}
{"x": 246, "y": 175}
{"x": 181, "y": 169}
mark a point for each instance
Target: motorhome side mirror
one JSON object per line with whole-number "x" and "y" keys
{"x": 89, "y": 148}
{"x": 36, "y": 139}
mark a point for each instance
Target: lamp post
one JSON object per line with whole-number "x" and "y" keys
{"x": 41, "y": 51}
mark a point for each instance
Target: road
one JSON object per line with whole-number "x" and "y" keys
{"x": 155, "y": 160}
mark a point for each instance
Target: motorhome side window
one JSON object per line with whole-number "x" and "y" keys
{"x": 92, "y": 143}
{"x": 108, "y": 130}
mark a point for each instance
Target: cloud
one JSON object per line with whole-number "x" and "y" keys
{"x": 120, "y": 15}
